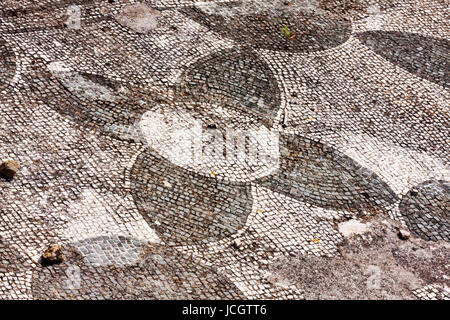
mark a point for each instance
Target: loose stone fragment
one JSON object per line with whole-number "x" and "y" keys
{"x": 404, "y": 234}
{"x": 9, "y": 168}
{"x": 237, "y": 244}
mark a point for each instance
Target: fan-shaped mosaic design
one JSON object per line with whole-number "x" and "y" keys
{"x": 426, "y": 209}
{"x": 315, "y": 173}
{"x": 271, "y": 28}
{"x": 235, "y": 80}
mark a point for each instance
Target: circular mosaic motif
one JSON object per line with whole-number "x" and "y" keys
{"x": 426, "y": 209}
{"x": 185, "y": 207}
{"x": 261, "y": 25}
{"x": 235, "y": 80}
{"x": 157, "y": 273}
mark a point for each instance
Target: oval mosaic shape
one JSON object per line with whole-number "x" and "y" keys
{"x": 7, "y": 64}
{"x": 426, "y": 209}
{"x": 234, "y": 80}
{"x": 320, "y": 175}
{"x": 262, "y": 25}
{"x": 158, "y": 273}
{"x": 184, "y": 206}
{"x": 425, "y": 57}
{"x": 357, "y": 9}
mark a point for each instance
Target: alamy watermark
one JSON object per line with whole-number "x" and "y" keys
{"x": 186, "y": 141}
{"x": 73, "y": 281}
{"x": 74, "y": 17}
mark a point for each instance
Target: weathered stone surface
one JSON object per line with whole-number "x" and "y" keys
{"x": 373, "y": 265}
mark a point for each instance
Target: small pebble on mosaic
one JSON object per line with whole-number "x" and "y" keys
{"x": 9, "y": 168}
{"x": 404, "y": 234}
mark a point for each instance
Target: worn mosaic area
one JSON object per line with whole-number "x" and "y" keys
{"x": 184, "y": 149}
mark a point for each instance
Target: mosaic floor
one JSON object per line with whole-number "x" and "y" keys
{"x": 184, "y": 149}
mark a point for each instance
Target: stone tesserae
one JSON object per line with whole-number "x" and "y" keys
{"x": 183, "y": 149}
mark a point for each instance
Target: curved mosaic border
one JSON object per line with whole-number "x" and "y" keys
{"x": 92, "y": 100}
{"x": 234, "y": 79}
{"x": 318, "y": 174}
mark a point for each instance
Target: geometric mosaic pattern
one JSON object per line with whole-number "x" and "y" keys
{"x": 7, "y": 63}
{"x": 98, "y": 98}
{"x": 426, "y": 59}
{"x": 319, "y": 175}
